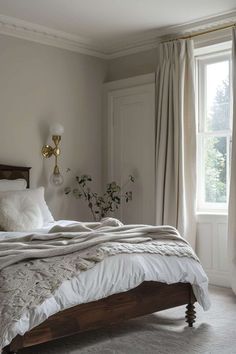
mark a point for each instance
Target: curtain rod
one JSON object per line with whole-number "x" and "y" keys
{"x": 201, "y": 33}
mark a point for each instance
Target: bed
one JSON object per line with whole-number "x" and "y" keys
{"x": 146, "y": 298}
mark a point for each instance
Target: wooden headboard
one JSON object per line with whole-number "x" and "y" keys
{"x": 14, "y": 172}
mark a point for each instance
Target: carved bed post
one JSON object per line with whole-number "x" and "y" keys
{"x": 190, "y": 312}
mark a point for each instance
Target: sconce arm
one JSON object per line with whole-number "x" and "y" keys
{"x": 48, "y": 151}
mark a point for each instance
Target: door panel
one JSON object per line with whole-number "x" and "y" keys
{"x": 133, "y": 150}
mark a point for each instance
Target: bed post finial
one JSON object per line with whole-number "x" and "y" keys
{"x": 190, "y": 314}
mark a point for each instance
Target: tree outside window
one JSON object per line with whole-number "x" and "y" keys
{"x": 214, "y": 130}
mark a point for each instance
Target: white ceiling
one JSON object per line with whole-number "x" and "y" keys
{"x": 106, "y": 22}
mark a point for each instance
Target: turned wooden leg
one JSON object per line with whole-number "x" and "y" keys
{"x": 190, "y": 315}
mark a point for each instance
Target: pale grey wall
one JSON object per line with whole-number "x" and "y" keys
{"x": 39, "y": 84}
{"x": 132, "y": 65}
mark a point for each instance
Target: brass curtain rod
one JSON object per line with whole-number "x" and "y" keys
{"x": 201, "y": 33}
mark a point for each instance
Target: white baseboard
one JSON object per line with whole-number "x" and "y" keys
{"x": 218, "y": 278}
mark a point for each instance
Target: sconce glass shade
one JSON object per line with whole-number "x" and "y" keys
{"x": 56, "y": 129}
{"x": 56, "y": 179}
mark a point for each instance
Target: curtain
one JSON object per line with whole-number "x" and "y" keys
{"x": 176, "y": 138}
{"x": 232, "y": 194}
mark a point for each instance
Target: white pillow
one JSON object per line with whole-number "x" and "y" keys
{"x": 12, "y": 185}
{"x": 37, "y": 196}
{"x": 19, "y": 213}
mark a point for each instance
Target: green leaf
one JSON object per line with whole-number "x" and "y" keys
{"x": 67, "y": 190}
{"x": 132, "y": 179}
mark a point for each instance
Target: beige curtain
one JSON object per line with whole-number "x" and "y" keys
{"x": 176, "y": 138}
{"x": 232, "y": 195}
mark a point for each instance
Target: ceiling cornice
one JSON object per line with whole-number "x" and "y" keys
{"x": 153, "y": 38}
{"x": 40, "y": 34}
{"x": 30, "y": 31}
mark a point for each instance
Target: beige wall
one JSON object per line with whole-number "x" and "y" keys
{"x": 39, "y": 84}
{"x": 132, "y": 65}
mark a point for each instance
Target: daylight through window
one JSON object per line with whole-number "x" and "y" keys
{"x": 214, "y": 130}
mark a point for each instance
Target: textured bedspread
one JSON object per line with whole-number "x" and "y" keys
{"x": 34, "y": 266}
{"x": 82, "y": 236}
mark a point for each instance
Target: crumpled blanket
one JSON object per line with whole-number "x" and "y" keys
{"x": 32, "y": 267}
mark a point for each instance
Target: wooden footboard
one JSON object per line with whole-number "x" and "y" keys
{"x": 147, "y": 298}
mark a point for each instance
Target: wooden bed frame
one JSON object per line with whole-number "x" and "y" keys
{"x": 147, "y": 298}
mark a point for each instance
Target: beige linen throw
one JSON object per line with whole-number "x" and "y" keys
{"x": 78, "y": 237}
{"x": 33, "y": 267}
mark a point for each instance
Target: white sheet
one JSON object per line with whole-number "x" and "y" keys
{"x": 113, "y": 275}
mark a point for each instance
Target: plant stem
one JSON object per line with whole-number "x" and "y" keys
{"x": 94, "y": 216}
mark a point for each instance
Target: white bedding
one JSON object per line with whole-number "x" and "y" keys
{"x": 113, "y": 275}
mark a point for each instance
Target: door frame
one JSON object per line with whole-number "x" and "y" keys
{"x": 114, "y": 90}
{"x": 111, "y": 91}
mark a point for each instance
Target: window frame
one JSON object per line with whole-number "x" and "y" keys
{"x": 203, "y": 57}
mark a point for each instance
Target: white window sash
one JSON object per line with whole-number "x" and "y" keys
{"x": 201, "y": 64}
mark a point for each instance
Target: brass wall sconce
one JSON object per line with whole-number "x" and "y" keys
{"x": 56, "y": 130}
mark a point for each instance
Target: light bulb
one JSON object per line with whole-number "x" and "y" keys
{"x": 56, "y": 179}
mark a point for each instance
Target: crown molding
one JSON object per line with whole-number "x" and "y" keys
{"x": 30, "y": 31}
{"x": 153, "y": 38}
{"x": 130, "y": 45}
{"x": 205, "y": 23}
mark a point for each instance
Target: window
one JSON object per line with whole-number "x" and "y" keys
{"x": 214, "y": 130}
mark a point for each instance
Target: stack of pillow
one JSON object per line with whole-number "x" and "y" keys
{"x": 22, "y": 209}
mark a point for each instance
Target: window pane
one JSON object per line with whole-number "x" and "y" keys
{"x": 218, "y": 96}
{"x": 215, "y": 169}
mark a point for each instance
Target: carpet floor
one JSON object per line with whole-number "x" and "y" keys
{"x": 160, "y": 333}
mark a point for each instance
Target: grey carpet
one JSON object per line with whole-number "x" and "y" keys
{"x": 161, "y": 333}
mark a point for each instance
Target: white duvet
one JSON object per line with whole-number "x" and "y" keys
{"x": 114, "y": 274}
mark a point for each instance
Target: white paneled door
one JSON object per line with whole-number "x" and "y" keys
{"x": 131, "y": 139}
